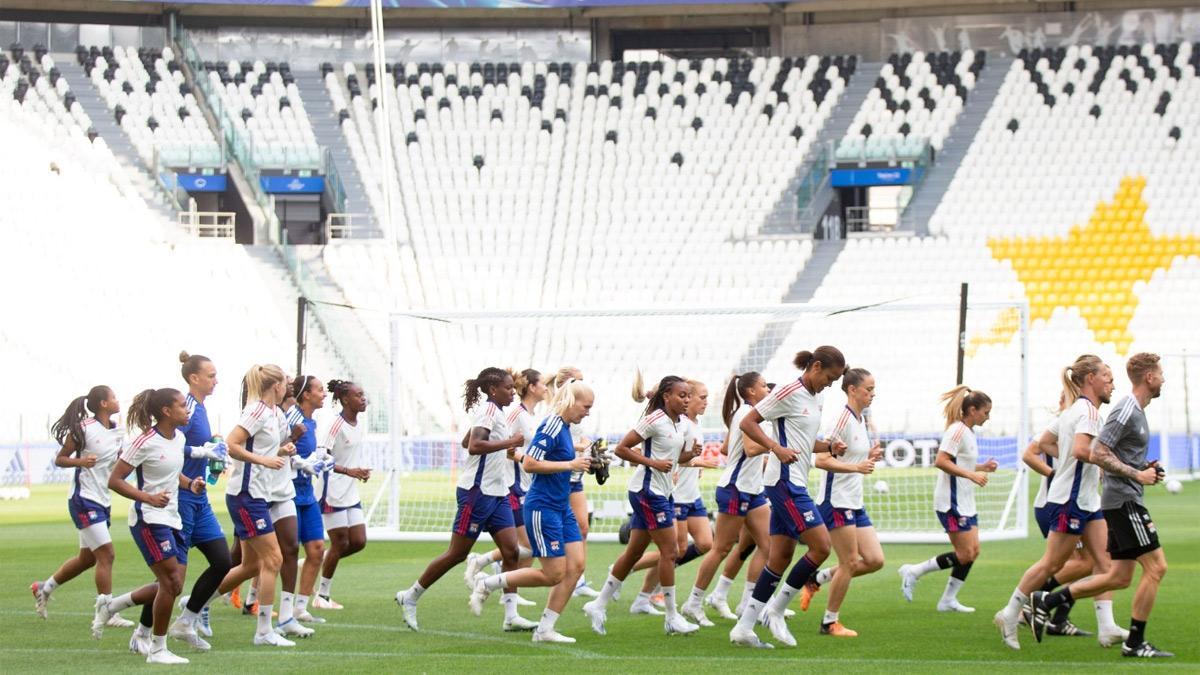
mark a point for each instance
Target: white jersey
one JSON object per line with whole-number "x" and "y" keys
{"x": 745, "y": 473}
{"x": 576, "y": 439}
{"x": 344, "y": 441}
{"x": 157, "y": 462}
{"x": 687, "y": 478}
{"x": 103, "y": 443}
{"x": 1044, "y": 481}
{"x": 661, "y": 439}
{"x": 521, "y": 421}
{"x": 845, "y": 490}
{"x": 952, "y": 492}
{"x": 265, "y": 426}
{"x": 796, "y": 415}
{"x": 491, "y": 473}
{"x": 1076, "y": 481}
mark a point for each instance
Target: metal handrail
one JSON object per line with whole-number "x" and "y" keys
{"x": 208, "y": 224}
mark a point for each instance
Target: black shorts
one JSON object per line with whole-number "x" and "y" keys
{"x": 1131, "y": 533}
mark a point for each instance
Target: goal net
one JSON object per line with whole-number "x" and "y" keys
{"x": 418, "y": 420}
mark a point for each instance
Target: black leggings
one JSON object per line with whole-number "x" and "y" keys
{"x": 219, "y": 564}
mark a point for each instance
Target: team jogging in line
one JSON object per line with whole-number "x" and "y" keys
{"x": 790, "y": 517}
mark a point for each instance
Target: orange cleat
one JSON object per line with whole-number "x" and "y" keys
{"x": 836, "y": 629}
{"x": 806, "y": 595}
{"x": 235, "y": 598}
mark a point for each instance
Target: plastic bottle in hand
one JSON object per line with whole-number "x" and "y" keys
{"x": 216, "y": 467}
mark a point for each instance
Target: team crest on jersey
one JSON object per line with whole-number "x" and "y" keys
{"x": 809, "y": 517}
{"x": 554, "y": 545}
{"x": 165, "y": 545}
{"x": 660, "y": 517}
{"x": 260, "y": 524}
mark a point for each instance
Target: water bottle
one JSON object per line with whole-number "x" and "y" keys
{"x": 215, "y": 467}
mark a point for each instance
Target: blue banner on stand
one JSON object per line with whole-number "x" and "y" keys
{"x": 296, "y": 185}
{"x": 195, "y": 182}
{"x": 871, "y": 177}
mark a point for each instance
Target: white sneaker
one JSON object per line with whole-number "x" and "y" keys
{"x": 164, "y": 657}
{"x": 408, "y": 608}
{"x": 597, "y": 615}
{"x": 720, "y": 606}
{"x": 644, "y": 606}
{"x": 185, "y": 632}
{"x": 475, "y": 565}
{"x": 908, "y": 582}
{"x": 1110, "y": 638}
{"x": 1008, "y": 631}
{"x": 39, "y": 599}
{"x": 293, "y": 628}
{"x": 204, "y": 627}
{"x": 139, "y": 644}
{"x": 118, "y": 621}
{"x": 479, "y": 594}
{"x": 582, "y": 590}
{"x": 519, "y": 624}
{"x": 747, "y": 638}
{"x": 322, "y": 602}
{"x": 305, "y": 617}
{"x": 523, "y": 602}
{"x": 788, "y": 612}
{"x": 677, "y": 625}
{"x": 100, "y": 620}
{"x": 552, "y": 636}
{"x": 778, "y": 627}
{"x": 953, "y": 605}
{"x": 272, "y": 639}
{"x": 695, "y": 613}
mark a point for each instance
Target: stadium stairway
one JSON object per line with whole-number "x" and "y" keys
{"x": 929, "y": 193}
{"x": 784, "y": 218}
{"x": 106, "y": 126}
{"x": 327, "y": 129}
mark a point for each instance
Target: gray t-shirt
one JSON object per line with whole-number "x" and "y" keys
{"x": 1128, "y": 434}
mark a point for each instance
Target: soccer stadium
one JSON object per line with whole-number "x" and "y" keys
{"x": 415, "y": 335}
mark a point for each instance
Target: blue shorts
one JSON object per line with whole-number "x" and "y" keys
{"x": 837, "y": 517}
{"x": 1041, "y": 514}
{"x": 157, "y": 542}
{"x": 199, "y": 525}
{"x": 576, "y": 487}
{"x": 1069, "y": 518}
{"x": 251, "y": 517}
{"x": 690, "y": 510}
{"x": 86, "y": 513}
{"x": 550, "y": 530}
{"x": 737, "y": 503}
{"x": 650, "y": 511}
{"x": 516, "y": 501}
{"x": 310, "y": 525}
{"x": 953, "y": 522}
{"x": 792, "y": 511}
{"x": 478, "y": 512}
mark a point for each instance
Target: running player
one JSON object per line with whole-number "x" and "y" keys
{"x": 664, "y": 433}
{"x": 796, "y": 410}
{"x": 91, "y": 446}
{"x": 1074, "y": 502}
{"x": 1120, "y": 451}
{"x": 954, "y": 495}
{"x": 550, "y": 523}
{"x": 482, "y": 486}
{"x": 850, "y": 529}
{"x": 341, "y": 507}
{"x": 579, "y": 502}
{"x": 157, "y": 457}
{"x": 310, "y": 396}
{"x": 740, "y": 501}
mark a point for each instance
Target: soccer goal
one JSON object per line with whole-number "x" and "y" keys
{"x": 910, "y": 347}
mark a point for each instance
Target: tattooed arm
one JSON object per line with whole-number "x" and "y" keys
{"x": 1103, "y": 457}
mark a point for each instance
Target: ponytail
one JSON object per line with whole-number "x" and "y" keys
{"x": 566, "y": 395}
{"x": 339, "y": 389}
{"x": 258, "y": 380}
{"x": 961, "y": 399}
{"x": 827, "y": 356}
{"x": 147, "y": 407}
{"x": 639, "y": 388}
{"x": 560, "y": 379}
{"x": 525, "y": 379}
{"x": 1075, "y": 375}
{"x": 486, "y": 379}
{"x": 70, "y": 424}
{"x": 191, "y": 364}
{"x": 735, "y": 394}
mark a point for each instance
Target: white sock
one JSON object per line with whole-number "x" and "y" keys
{"x": 103, "y": 599}
{"x": 415, "y": 591}
{"x": 782, "y": 597}
{"x": 669, "y": 600}
{"x": 264, "y": 618}
{"x": 1012, "y": 612}
{"x": 582, "y": 581}
{"x": 612, "y": 586}
{"x": 326, "y": 583}
{"x": 830, "y": 617}
{"x": 509, "y": 600}
{"x": 49, "y": 585}
{"x": 496, "y": 582}
{"x": 142, "y": 631}
{"x": 301, "y": 604}
{"x": 497, "y": 568}
{"x": 723, "y": 586}
{"x": 1104, "y": 615}
{"x": 549, "y": 618}
{"x": 825, "y": 576}
{"x": 951, "y": 592}
{"x": 747, "y": 593}
{"x": 158, "y": 643}
{"x": 921, "y": 569}
{"x": 124, "y": 601}
{"x": 643, "y": 596}
{"x": 286, "y": 602}
{"x": 750, "y": 614}
{"x": 188, "y": 616}
{"x": 252, "y": 596}
{"x": 524, "y": 553}
{"x": 696, "y": 597}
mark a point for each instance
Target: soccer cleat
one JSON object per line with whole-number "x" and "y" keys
{"x": 582, "y": 590}
{"x": 185, "y": 632}
{"x": 475, "y": 564}
{"x": 235, "y": 598}
{"x": 597, "y": 615}
{"x": 164, "y": 657}
{"x": 658, "y": 600}
{"x": 204, "y": 628}
{"x": 677, "y": 625}
{"x": 39, "y": 599}
{"x": 408, "y": 609}
{"x": 836, "y": 629}
{"x": 1111, "y": 638}
{"x": 305, "y": 617}
{"x": 1008, "y": 632}
{"x": 745, "y": 637}
{"x": 1145, "y": 651}
{"x": 519, "y": 624}
{"x": 100, "y": 620}
{"x": 523, "y": 602}
{"x": 1037, "y": 603}
{"x": 139, "y": 644}
{"x": 908, "y": 582}
{"x": 324, "y": 602}
{"x": 788, "y": 613}
{"x": 644, "y": 606}
{"x": 272, "y": 639}
{"x": 720, "y": 606}
{"x": 695, "y": 613}
{"x": 778, "y": 628}
{"x": 1066, "y": 628}
{"x": 552, "y": 636}
{"x": 953, "y": 605}
{"x": 118, "y": 621}
{"x": 479, "y": 595}
{"x": 1026, "y": 617}
{"x": 292, "y": 628}
{"x": 250, "y": 608}
{"x": 806, "y": 595}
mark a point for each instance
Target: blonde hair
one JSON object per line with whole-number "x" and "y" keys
{"x": 259, "y": 379}
{"x": 566, "y": 395}
{"x": 961, "y": 399}
{"x": 524, "y": 379}
{"x": 1074, "y": 375}
{"x": 561, "y": 378}
{"x": 640, "y": 393}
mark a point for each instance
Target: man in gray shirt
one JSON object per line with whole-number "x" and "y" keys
{"x": 1132, "y": 538}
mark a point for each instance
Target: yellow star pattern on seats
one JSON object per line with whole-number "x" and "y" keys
{"x": 1094, "y": 268}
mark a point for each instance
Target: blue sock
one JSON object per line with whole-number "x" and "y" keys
{"x": 802, "y": 571}
{"x": 765, "y": 587}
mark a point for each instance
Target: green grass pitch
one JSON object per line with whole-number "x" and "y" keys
{"x": 369, "y": 636}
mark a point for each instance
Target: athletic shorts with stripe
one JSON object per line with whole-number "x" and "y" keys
{"x": 1131, "y": 532}
{"x": 550, "y": 530}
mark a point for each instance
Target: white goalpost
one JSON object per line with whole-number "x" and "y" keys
{"x": 910, "y": 347}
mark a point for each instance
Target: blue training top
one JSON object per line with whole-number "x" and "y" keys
{"x": 305, "y": 446}
{"x": 551, "y": 443}
{"x": 196, "y": 433}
